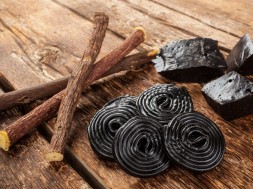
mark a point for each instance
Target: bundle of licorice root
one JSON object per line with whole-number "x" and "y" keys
{"x": 149, "y": 133}
{"x": 65, "y": 100}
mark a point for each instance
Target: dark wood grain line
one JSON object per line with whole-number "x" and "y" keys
{"x": 26, "y": 36}
{"x": 7, "y": 27}
{"x": 10, "y": 30}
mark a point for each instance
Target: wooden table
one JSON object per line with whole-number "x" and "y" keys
{"x": 42, "y": 40}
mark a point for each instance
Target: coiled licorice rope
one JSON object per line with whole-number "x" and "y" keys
{"x": 194, "y": 142}
{"x": 107, "y": 121}
{"x": 138, "y": 147}
{"x": 163, "y": 102}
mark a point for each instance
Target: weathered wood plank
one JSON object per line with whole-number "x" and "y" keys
{"x": 44, "y": 45}
{"x": 55, "y": 29}
{"x": 233, "y": 17}
{"x": 184, "y": 22}
{"x": 24, "y": 166}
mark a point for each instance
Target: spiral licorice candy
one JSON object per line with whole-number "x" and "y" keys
{"x": 107, "y": 121}
{"x": 138, "y": 147}
{"x": 163, "y": 102}
{"x": 194, "y": 142}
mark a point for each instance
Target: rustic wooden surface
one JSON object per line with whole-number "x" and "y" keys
{"x": 40, "y": 41}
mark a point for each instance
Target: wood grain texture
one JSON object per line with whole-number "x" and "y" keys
{"x": 24, "y": 166}
{"x": 44, "y": 45}
{"x": 231, "y": 17}
{"x": 164, "y": 21}
{"x": 162, "y": 24}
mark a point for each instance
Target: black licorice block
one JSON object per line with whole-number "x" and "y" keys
{"x": 193, "y": 60}
{"x": 231, "y": 95}
{"x": 240, "y": 59}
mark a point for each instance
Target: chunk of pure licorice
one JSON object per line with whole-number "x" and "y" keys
{"x": 163, "y": 102}
{"x": 193, "y": 60}
{"x": 107, "y": 121}
{"x": 138, "y": 147}
{"x": 240, "y": 59}
{"x": 231, "y": 95}
{"x": 194, "y": 142}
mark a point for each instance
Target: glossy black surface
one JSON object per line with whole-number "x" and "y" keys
{"x": 193, "y": 60}
{"x": 107, "y": 121}
{"x": 231, "y": 95}
{"x": 194, "y": 142}
{"x": 240, "y": 59}
{"x": 163, "y": 102}
{"x": 138, "y": 147}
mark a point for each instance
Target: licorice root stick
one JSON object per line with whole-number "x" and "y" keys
{"x": 74, "y": 89}
{"x": 49, "y": 108}
{"x": 28, "y": 95}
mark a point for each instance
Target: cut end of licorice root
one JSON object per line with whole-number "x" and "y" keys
{"x": 153, "y": 52}
{"x": 143, "y": 30}
{"x": 54, "y": 156}
{"x": 4, "y": 141}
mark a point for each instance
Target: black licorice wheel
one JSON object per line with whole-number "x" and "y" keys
{"x": 138, "y": 147}
{"x": 194, "y": 142}
{"x": 107, "y": 121}
{"x": 163, "y": 102}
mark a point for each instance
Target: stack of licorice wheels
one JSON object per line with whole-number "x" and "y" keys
{"x": 148, "y": 133}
